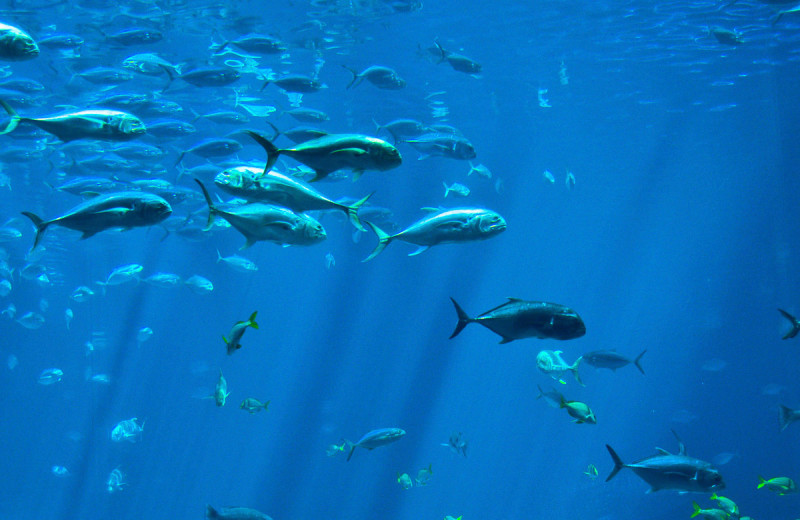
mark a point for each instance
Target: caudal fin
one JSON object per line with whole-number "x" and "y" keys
{"x": 786, "y": 417}
{"x": 795, "y": 324}
{"x": 352, "y": 212}
{"x": 212, "y": 210}
{"x": 574, "y": 370}
{"x": 40, "y": 224}
{"x": 618, "y": 464}
{"x": 211, "y": 513}
{"x": 761, "y": 482}
{"x": 639, "y": 358}
{"x": 383, "y": 241}
{"x": 15, "y": 118}
{"x": 356, "y": 78}
{"x": 252, "y": 320}
{"x": 352, "y": 448}
{"x": 697, "y": 509}
{"x": 272, "y": 151}
{"x": 463, "y": 319}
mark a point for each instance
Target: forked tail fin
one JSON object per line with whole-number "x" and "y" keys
{"x": 463, "y": 319}
{"x": 212, "y": 210}
{"x": 15, "y": 118}
{"x": 639, "y": 358}
{"x": 272, "y": 151}
{"x": 785, "y": 417}
{"x": 352, "y": 212}
{"x": 40, "y": 224}
{"x": 383, "y": 241}
{"x": 574, "y": 370}
{"x": 618, "y": 464}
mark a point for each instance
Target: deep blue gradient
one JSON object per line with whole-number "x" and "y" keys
{"x": 680, "y": 236}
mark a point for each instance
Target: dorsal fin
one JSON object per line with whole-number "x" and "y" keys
{"x": 681, "y": 447}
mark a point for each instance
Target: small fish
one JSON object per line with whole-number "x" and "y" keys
{"x": 237, "y": 263}
{"x": 330, "y": 261}
{"x": 611, "y": 360}
{"x": 123, "y": 274}
{"x": 68, "y": 315}
{"x": 458, "y": 62}
{"x": 60, "y": 471}
{"x": 553, "y": 397}
{"x": 726, "y": 36}
{"x": 116, "y": 480}
{"x": 81, "y": 294}
{"x": 727, "y": 505}
{"x": 252, "y": 405}
{"x": 143, "y": 335}
{"x": 334, "y": 449}
{"x": 457, "y": 188}
{"x": 570, "y": 180}
{"x": 163, "y": 280}
{"x": 128, "y": 430}
{"x": 457, "y": 444}
{"x": 708, "y": 514}
{"x": 424, "y": 475}
{"x": 198, "y": 284}
{"x": 50, "y": 376}
{"x": 580, "y": 411}
{"x": 780, "y": 485}
{"x": 551, "y": 363}
{"x": 106, "y": 125}
{"x": 220, "y": 390}
{"x": 480, "y": 169}
{"x": 795, "y": 323}
{"x": 375, "y": 439}
{"x": 233, "y": 344}
{"x": 382, "y": 77}
{"x": 591, "y": 472}
{"x": 31, "y": 320}
{"x": 405, "y": 481}
{"x": 549, "y": 177}
{"x": 296, "y": 83}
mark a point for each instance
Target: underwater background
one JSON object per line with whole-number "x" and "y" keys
{"x": 677, "y": 232}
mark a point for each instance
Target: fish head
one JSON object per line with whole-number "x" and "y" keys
{"x": 490, "y": 223}
{"x": 129, "y": 125}
{"x": 709, "y": 479}
{"x": 385, "y": 155}
{"x": 154, "y": 209}
{"x": 314, "y": 232}
{"x": 20, "y": 45}
{"x": 233, "y": 178}
{"x": 567, "y": 325}
{"x": 463, "y": 149}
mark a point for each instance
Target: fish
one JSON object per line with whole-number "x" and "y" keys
{"x": 787, "y": 416}
{"x": 308, "y": 115}
{"x": 667, "y": 471}
{"x": 405, "y": 481}
{"x": 233, "y": 343}
{"x": 296, "y": 83}
{"x": 237, "y": 263}
{"x": 144, "y": 334}
{"x": 198, "y": 284}
{"x": 518, "y": 319}
{"x": 220, "y": 390}
{"x": 31, "y": 320}
{"x": 458, "y": 62}
{"x": 424, "y": 475}
{"x": 457, "y": 188}
{"x": 81, "y": 294}
{"x": 254, "y": 185}
{"x": 16, "y": 44}
{"x": 551, "y": 363}
{"x": 591, "y": 471}
{"x": 234, "y": 513}
{"x": 204, "y": 76}
{"x": 256, "y": 43}
{"x": 128, "y": 430}
{"x": 50, "y": 376}
{"x": 708, "y": 514}
{"x": 795, "y": 323}
{"x": 333, "y": 152}
{"x": 727, "y": 505}
{"x": 447, "y": 226}
{"x": 457, "y": 444}
{"x": 213, "y": 147}
{"x": 116, "y": 480}
{"x": 780, "y": 485}
{"x": 252, "y": 405}
{"x": 480, "y": 169}
{"x": 553, "y": 397}
{"x": 375, "y": 439}
{"x": 401, "y": 128}
{"x": 725, "y": 36}
{"x": 134, "y": 36}
{"x": 105, "y": 125}
{"x": 443, "y": 145}
{"x": 611, "y": 360}
{"x": 580, "y": 411}
{"x": 163, "y": 280}
{"x": 382, "y": 77}
{"x": 123, "y": 274}
{"x": 257, "y": 221}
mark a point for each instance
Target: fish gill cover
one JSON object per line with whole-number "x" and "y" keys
{"x": 619, "y": 177}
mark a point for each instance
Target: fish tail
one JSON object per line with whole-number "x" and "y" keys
{"x": 212, "y": 210}
{"x": 761, "y": 482}
{"x": 618, "y": 464}
{"x": 219, "y": 256}
{"x": 40, "y": 224}
{"x": 211, "y": 513}
{"x": 272, "y": 151}
{"x": 378, "y": 127}
{"x": 383, "y": 241}
{"x": 352, "y": 212}
{"x": 471, "y": 168}
{"x": 463, "y": 320}
{"x": 275, "y": 128}
{"x": 574, "y": 370}
{"x": 15, "y": 118}
{"x": 541, "y": 392}
{"x": 352, "y": 448}
{"x": 264, "y": 85}
{"x": 252, "y": 320}
{"x": 180, "y": 158}
{"x": 441, "y": 49}
{"x": 785, "y": 417}
{"x": 696, "y": 509}
{"x": 639, "y": 358}
{"x": 354, "y": 82}
{"x": 795, "y": 324}
{"x": 446, "y": 189}
{"x": 171, "y": 77}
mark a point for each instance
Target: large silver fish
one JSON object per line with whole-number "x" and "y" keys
{"x": 125, "y": 209}
{"x": 518, "y": 319}
{"x": 107, "y": 125}
{"x": 333, "y": 152}
{"x": 16, "y": 45}
{"x": 376, "y": 438}
{"x": 443, "y": 227}
{"x": 257, "y": 221}
{"x": 667, "y": 471}
{"x": 253, "y": 185}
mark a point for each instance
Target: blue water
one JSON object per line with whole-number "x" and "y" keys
{"x": 679, "y": 236}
